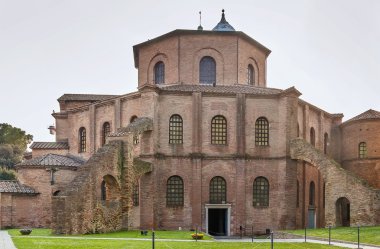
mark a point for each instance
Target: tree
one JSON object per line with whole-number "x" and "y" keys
{"x": 13, "y": 143}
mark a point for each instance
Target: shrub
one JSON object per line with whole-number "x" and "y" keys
{"x": 25, "y": 231}
{"x": 197, "y": 235}
{"x": 6, "y": 174}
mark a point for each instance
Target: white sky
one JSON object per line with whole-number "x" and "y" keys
{"x": 328, "y": 49}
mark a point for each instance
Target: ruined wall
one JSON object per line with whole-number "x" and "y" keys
{"x": 364, "y": 200}
{"x": 79, "y": 209}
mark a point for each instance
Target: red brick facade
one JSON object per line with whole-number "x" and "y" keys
{"x": 240, "y": 161}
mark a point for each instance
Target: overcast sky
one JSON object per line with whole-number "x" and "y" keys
{"x": 328, "y": 49}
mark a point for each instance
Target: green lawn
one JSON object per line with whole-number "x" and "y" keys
{"x": 114, "y": 241}
{"x": 51, "y": 243}
{"x": 370, "y": 235}
{"x": 121, "y": 234}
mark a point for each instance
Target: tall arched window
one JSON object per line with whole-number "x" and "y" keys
{"x": 105, "y": 132}
{"x": 262, "y": 132}
{"x": 82, "y": 140}
{"x": 261, "y": 192}
{"x": 136, "y": 139}
{"x": 207, "y": 70}
{"x": 325, "y": 142}
{"x": 103, "y": 191}
{"x": 250, "y": 75}
{"x": 362, "y": 150}
{"x": 135, "y": 194}
{"x": 174, "y": 192}
{"x": 218, "y": 190}
{"x": 159, "y": 73}
{"x": 312, "y": 194}
{"x": 312, "y": 136}
{"x": 175, "y": 129}
{"x": 219, "y": 130}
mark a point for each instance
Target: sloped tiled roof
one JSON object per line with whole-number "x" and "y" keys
{"x": 370, "y": 114}
{"x": 13, "y": 186}
{"x": 50, "y": 145}
{"x": 222, "y": 89}
{"x": 53, "y": 160}
{"x": 85, "y": 97}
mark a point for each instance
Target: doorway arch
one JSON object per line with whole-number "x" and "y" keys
{"x": 343, "y": 212}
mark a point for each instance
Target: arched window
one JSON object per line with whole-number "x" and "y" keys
{"x": 56, "y": 193}
{"x": 219, "y": 130}
{"x": 136, "y": 139}
{"x": 175, "y": 129}
{"x": 312, "y": 194}
{"x": 103, "y": 191}
{"x": 82, "y": 140}
{"x": 261, "y": 192}
{"x": 159, "y": 73}
{"x": 105, "y": 132}
{"x": 109, "y": 189}
{"x": 325, "y": 142}
{"x": 174, "y": 192}
{"x": 135, "y": 194}
{"x": 250, "y": 75}
{"x": 262, "y": 132}
{"x": 207, "y": 70}
{"x": 362, "y": 150}
{"x": 218, "y": 190}
{"x": 312, "y": 136}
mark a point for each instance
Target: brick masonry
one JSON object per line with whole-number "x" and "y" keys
{"x": 364, "y": 199}
{"x": 289, "y": 165}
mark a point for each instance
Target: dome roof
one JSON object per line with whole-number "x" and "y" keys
{"x": 223, "y": 25}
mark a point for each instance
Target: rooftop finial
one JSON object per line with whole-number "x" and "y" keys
{"x": 200, "y": 21}
{"x": 223, "y": 25}
{"x": 223, "y": 17}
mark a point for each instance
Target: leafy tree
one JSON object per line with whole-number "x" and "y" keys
{"x": 13, "y": 143}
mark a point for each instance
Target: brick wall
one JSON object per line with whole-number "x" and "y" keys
{"x": 364, "y": 200}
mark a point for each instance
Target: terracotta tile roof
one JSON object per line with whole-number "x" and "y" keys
{"x": 138, "y": 125}
{"x": 53, "y": 160}
{"x": 222, "y": 89}
{"x": 13, "y": 186}
{"x": 370, "y": 114}
{"x": 50, "y": 145}
{"x": 85, "y": 97}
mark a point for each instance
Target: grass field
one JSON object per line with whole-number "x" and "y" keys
{"x": 68, "y": 243}
{"x": 122, "y": 234}
{"x": 370, "y": 235}
{"x": 119, "y": 240}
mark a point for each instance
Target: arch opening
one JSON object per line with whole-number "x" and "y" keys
{"x": 342, "y": 212}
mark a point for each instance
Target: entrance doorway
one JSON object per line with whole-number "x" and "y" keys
{"x": 217, "y": 221}
{"x": 311, "y": 218}
{"x": 343, "y": 212}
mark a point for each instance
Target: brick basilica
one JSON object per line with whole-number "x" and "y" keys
{"x": 203, "y": 142}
